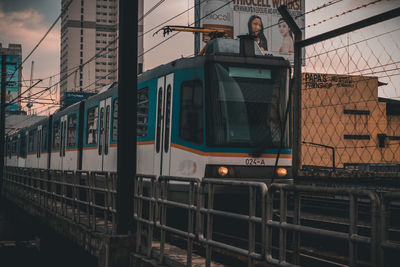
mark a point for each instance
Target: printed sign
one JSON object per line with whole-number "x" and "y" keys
{"x": 12, "y": 81}
{"x": 259, "y": 18}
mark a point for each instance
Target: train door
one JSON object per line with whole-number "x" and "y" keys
{"x": 63, "y": 140}
{"x": 165, "y": 87}
{"x": 104, "y": 135}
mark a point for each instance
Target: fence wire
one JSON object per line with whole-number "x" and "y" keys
{"x": 351, "y": 102}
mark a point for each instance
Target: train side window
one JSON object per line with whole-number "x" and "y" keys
{"x": 44, "y": 138}
{"x": 191, "y": 117}
{"x": 115, "y": 120}
{"x": 71, "y": 130}
{"x": 56, "y": 134}
{"x": 31, "y": 141}
{"x": 91, "y": 127}
{"x": 22, "y": 149}
{"x": 142, "y": 112}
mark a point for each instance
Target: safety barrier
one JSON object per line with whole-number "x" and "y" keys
{"x": 277, "y": 218}
{"x": 280, "y": 216}
{"x": 87, "y": 198}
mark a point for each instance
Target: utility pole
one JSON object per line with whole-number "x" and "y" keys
{"x": 2, "y": 116}
{"x": 197, "y": 24}
{"x": 127, "y": 103}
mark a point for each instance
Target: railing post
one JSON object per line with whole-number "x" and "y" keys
{"x": 353, "y": 212}
{"x": 296, "y": 221}
{"x": 209, "y": 223}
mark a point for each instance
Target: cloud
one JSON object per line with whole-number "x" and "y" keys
{"x": 27, "y": 28}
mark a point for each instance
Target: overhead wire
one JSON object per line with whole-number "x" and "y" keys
{"x": 42, "y": 39}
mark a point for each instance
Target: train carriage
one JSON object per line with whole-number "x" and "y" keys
{"x": 37, "y": 145}
{"x": 218, "y": 115}
{"x": 99, "y": 151}
{"x": 65, "y": 153}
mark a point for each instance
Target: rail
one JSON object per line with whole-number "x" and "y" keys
{"x": 385, "y": 214}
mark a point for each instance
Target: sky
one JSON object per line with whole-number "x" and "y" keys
{"x": 26, "y": 21}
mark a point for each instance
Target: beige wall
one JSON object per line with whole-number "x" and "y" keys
{"x": 324, "y": 99}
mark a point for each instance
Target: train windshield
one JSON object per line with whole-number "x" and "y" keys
{"x": 246, "y": 106}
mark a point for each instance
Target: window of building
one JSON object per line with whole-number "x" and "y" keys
{"x": 72, "y": 130}
{"x": 191, "y": 117}
{"x": 142, "y": 112}
{"x": 91, "y": 127}
{"x": 56, "y": 134}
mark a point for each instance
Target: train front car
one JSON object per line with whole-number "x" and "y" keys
{"x": 231, "y": 120}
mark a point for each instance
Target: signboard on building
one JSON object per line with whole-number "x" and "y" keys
{"x": 259, "y": 18}
{"x": 12, "y": 79}
{"x": 74, "y": 97}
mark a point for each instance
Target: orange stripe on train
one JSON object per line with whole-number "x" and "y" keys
{"x": 226, "y": 154}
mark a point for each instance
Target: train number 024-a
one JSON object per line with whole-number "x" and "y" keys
{"x": 252, "y": 162}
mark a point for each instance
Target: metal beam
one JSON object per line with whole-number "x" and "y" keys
{"x": 296, "y": 91}
{"x": 351, "y": 27}
{"x": 197, "y": 24}
{"x": 127, "y": 96}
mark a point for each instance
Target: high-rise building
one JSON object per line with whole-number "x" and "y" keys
{"x": 13, "y": 78}
{"x": 88, "y": 27}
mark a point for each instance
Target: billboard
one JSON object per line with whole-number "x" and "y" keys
{"x": 259, "y": 18}
{"x": 12, "y": 81}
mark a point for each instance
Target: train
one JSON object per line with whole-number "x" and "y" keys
{"x": 202, "y": 116}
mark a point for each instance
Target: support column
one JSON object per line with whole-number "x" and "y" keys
{"x": 127, "y": 97}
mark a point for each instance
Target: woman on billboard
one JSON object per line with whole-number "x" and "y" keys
{"x": 256, "y": 29}
{"x": 287, "y": 37}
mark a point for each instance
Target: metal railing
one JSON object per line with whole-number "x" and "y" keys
{"x": 199, "y": 204}
{"x": 87, "y": 198}
{"x": 279, "y": 213}
{"x": 352, "y": 236}
{"x": 386, "y": 243}
{"x": 278, "y": 218}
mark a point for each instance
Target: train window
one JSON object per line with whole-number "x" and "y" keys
{"x": 22, "y": 149}
{"x": 107, "y": 134}
{"x": 71, "y": 130}
{"x": 115, "y": 120}
{"x": 159, "y": 120}
{"x": 31, "y": 141}
{"x": 142, "y": 112}
{"x": 44, "y": 138}
{"x": 101, "y": 130}
{"x": 167, "y": 119}
{"x": 56, "y": 134}
{"x": 191, "y": 117}
{"x": 91, "y": 127}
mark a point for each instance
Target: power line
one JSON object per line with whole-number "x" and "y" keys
{"x": 41, "y": 40}
{"x": 341, "y": 14}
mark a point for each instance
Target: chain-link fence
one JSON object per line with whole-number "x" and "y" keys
{"x": 349, "y": 99}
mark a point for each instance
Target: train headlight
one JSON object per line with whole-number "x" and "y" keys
{"x": 282, "y": 172}
{"x": 223, "y": 171}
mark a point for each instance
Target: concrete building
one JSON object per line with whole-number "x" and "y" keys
{"x": 87, "y": 27}
{"x": 13, "y": 62}
{"x": 345, "y": 113}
